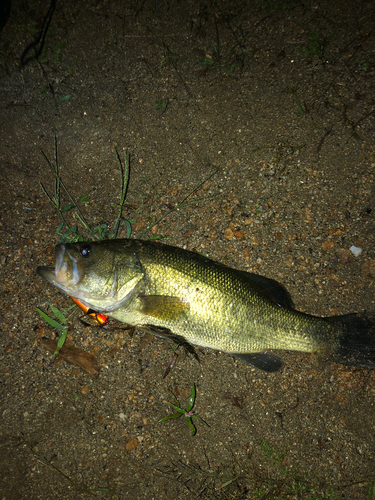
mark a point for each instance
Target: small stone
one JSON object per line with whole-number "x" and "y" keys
{"x": 344, "y": 255}
{"x": 356, "y": 251}
{"x": 228, "y": 233}
{"x": 289, "y": 261}
{"x": 328, "y": 245}
{"x": 248, "y": 221}
{"x": 130, "y": 445}
{"x": 369, "y": 268}
{"x": 240, "y": 235}
{"x": 188, "y": 233}
{"x": 113, "y": 351}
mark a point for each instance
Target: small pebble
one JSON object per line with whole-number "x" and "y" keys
{"x": 369, "y": 268}
{"x": 328, "y": 245}
{"x": 130, "y": 445}
{"x": 355, "y": 251}
{"x": 344, "y": 255}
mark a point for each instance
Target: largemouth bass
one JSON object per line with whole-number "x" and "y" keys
{"x": 182, "y": 294}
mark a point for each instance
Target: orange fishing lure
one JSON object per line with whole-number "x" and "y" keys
{"x": 99, "y": 318}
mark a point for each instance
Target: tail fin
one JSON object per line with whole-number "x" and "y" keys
{"x": 355, "y": 341}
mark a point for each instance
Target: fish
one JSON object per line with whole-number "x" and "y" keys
{"x": 185, "y": 296}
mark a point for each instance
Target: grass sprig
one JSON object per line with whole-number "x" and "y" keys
{"x": 72, "y": 234}
{"x": 61, "y": 327}
{"x": 186, "y": 412}
{"x": 182, "y": 204}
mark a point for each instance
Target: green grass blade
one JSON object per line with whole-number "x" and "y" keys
{"x": 177, "y": 401}
{"x": 124, "y": 172}
{"x": 201, "y": 420}
{"x": 84, "y": 223}
{"x": 191, "y": 399}
{"x": 66, "y": 208}
{"x": 169, "y": 417}
{"x": 61, "y": 341}
{"x": 177, "y": 206}
{"x": 49, "y": 320}
{"x": 191, "y": 425}
{"x": 128, "y": 228}
{"x": 59, "y": 315}
{"x": 59, "y": 227}
{"x": 48, "y": 196}
{"x": 181, "y": 410}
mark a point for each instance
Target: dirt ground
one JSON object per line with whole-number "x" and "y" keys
{"x": 276, "y": 99}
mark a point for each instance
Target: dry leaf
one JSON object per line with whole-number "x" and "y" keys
{"x": 71, "y": 354}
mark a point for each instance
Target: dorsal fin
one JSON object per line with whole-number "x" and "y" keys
{"x": 271, "y": 289}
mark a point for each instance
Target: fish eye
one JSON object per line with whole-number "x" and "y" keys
{"x": 85, "y": 250}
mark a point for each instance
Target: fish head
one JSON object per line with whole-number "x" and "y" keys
{"x": 102, "y": 277}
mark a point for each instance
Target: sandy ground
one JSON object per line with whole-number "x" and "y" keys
{"x": 277, "y": 98}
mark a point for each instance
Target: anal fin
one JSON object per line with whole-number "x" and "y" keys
{"x": 265, "y": 361}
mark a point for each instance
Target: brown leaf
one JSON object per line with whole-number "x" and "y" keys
{"x": 71, "y": 354}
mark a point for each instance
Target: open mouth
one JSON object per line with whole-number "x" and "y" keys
{"x": 47, "y": 273}
{"x": 67, "y": 271}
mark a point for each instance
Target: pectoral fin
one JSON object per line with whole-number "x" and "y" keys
{"x": 265, "y": 361}
{"x": 163, "y": 307}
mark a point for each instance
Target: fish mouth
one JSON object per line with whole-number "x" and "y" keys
{"x": 47, "y": 273}
{"x": 68, "y": 271}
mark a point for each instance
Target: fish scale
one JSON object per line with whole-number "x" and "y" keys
{"x": 226, "y": 311}
{"x": 145, "y": 283}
